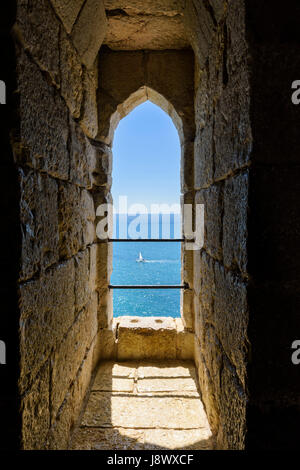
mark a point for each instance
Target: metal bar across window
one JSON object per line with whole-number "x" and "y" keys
{"x": 164, "y": 240}
{"x": 148, "y": 287}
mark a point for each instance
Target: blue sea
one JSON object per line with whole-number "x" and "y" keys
{"x": 162, "y": 266}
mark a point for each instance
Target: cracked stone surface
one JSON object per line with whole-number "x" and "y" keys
{"x": 144, "y": 405}
{"x": 145, "y": 24}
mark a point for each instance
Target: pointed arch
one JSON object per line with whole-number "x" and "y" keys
{"x": 143, "y": 94}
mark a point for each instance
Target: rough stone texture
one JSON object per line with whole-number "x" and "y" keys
{"x": 58, "y": 167}
{"x": 70, "y": 354}
{"x": 246, "y": 142}
{"x": 39, "y": 222}
{"x": 233, "y": 140}
{"x": 89, "y": 31}
{"x": 105, "y": 410}
{"x": 235, "y": 220}
{"x": 47, "y": 312}
{"x": 223, "y": 145}
{"x": 76, "y": 219}
{"x": 163, "y": 7}
{"x": 71, "y": 75}
{"x": 35, "y": 410}
{"x": 82, "y": 157}
{"x": 59, "y": 433}
{"x": 140, "y": 338}
{"x": 43, "y": 134}
{"x": 105, "y": 308}
{"x": 212, "y": 198}
{"x": 68, "y": 11}
{"x": 89, "y": 118}
{"x": 134, "y": 25}
{"x": 83, "y": 289}
{"x": 146, "y": 337}
{"x": 126, "y": 74}
{"x": 184, "y": 341}
{"x": 106, "y": 347}
{"x": 137, "y": 439}
{"x": 158, "y": 407}
{"x": 39, "y": 31}
{"x": 137, "y": 32}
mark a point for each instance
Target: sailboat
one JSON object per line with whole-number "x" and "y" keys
{"x": 140, "y": 259}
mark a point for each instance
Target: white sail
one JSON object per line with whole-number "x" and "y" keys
{"x": 140, "y": 258}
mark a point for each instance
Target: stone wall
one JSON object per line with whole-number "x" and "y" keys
{"x": 230, "y": 101}
{"x": 58, "y": 172}
{"x": 221, "y": 178}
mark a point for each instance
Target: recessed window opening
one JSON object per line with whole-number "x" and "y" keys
{"x": 146, "y": 196}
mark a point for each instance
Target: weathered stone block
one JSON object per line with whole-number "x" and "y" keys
{"x": 59, "y": 435}
{"x": 68, "y": 11}
{"x": 106, "y": 347}
{"x": 70, "y": 220}
{"x": 76, "y": 219}
{"x": 105, "y": 307}
{"x": 212, "y": 198}
{"x": 39, "y": 30}
{"x": 69, "y": 356}
{"x": 89, "y": 31}
{"x": 161, "y": 7}
{"x": 235, "y": 222}
{"x": 237, "y": 46}
{"x": 187, "y": 266}
{"x": 35, "y": 412}
{"x": 177, "y": 67}
{"x": 101, "y": 175}
{"x": 145, "y": 32}
{"x": 89, "y": 119}
{"x": 184, "y": 341}
{"x": 230, "y": 317}
{"x": 207, "y": 387}
{"x": 199, "y": 28}
{"x": 88, "y": 217}
{"x": 82, "y": 157}
{"x": 204, "y": 156}
{"x": 233, "y": 138}
{"x": 47, "y": 312}
{"x": 145, "y": 25}
{"x": 219, "y": 9}
{"x": 204, "y": 292}
{"x": 233, "y": 401}
{"x": 71, "y": 75}
{"x": 82, "y": 286}
{"x": 151, "y": 338}
{"x": 39, "y": 221}
{"x": 187, "y": 167}
{"x": 130, "y": 68}
{"x": 44, "y": 122}
{"x": 113, "y": 410}
{"x": 102, "y": 263}
{"x": 187, "y": 308}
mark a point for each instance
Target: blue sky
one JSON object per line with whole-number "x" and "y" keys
{"x": 146, "y": 158}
